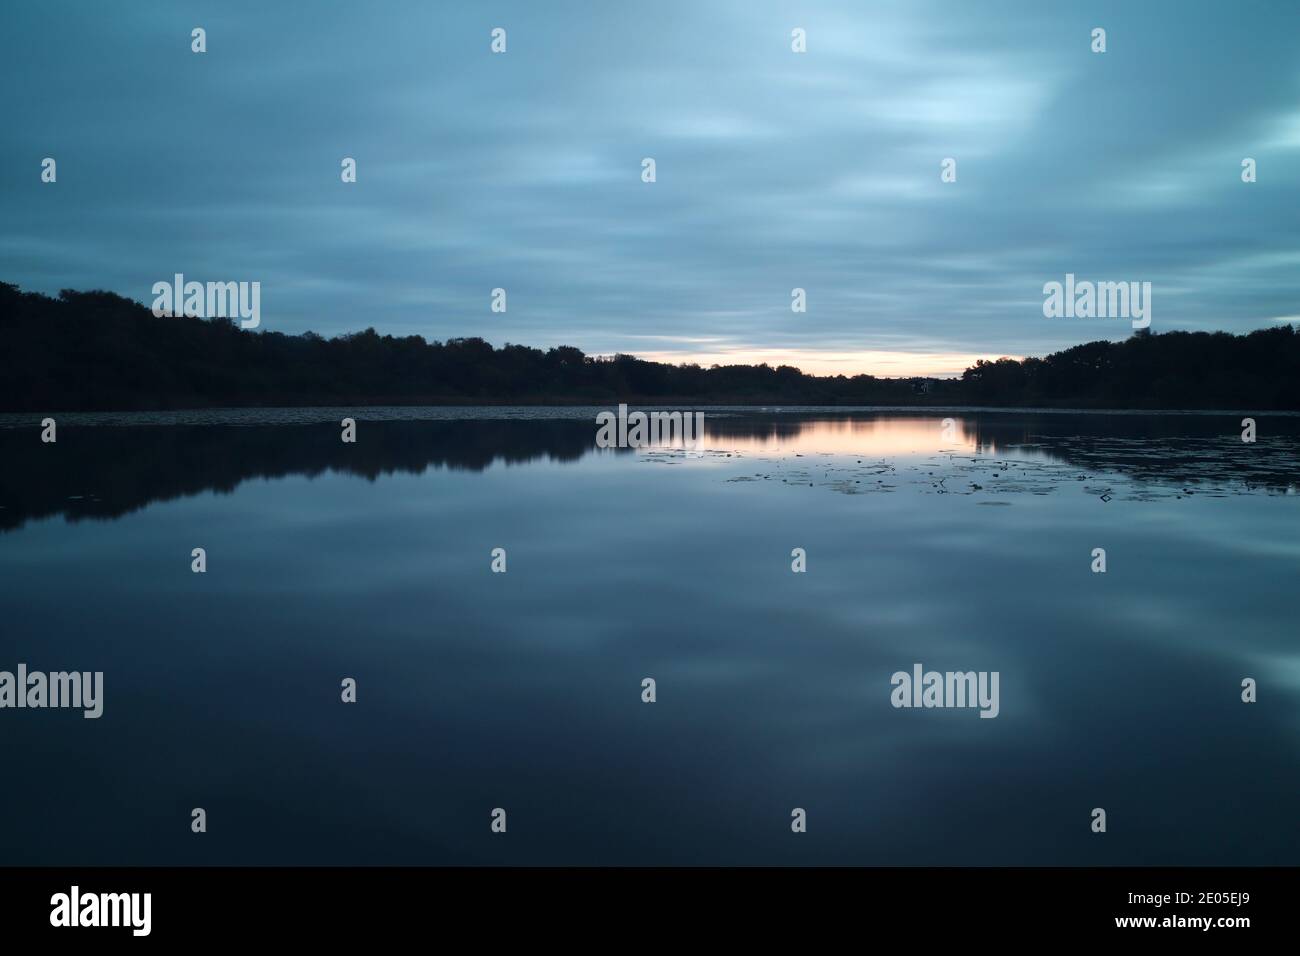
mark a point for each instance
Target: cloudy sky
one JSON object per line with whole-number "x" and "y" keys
{"x": 775, "y": 169}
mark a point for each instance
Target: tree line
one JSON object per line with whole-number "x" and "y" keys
{"x": 93, "y": 351}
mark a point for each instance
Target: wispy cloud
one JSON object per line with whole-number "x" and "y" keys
{"x": 775, "y": 170}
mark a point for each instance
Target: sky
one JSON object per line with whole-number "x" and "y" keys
{"x": 775, "y": 170}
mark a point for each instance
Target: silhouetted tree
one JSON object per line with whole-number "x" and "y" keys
{"x": 97, "y": 350}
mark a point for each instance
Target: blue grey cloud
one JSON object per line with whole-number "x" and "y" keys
{"x": 775, "y": 170}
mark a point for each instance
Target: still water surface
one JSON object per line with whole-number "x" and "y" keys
{"x": 965, "y": 551}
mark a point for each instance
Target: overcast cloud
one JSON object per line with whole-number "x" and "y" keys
{"x": 775, "y": 170}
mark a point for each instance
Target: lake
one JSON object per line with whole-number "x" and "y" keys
{"x": 965, "y": 546}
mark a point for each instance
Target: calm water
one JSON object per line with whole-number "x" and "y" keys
{"x": 523, "y": 690}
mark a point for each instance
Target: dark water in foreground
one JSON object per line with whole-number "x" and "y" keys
{"x": 523, "y": 690}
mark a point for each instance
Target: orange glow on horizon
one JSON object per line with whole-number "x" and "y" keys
{"x": 881, "y": 363}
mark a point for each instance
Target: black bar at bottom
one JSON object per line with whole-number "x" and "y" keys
{"x": 668, "y": 905}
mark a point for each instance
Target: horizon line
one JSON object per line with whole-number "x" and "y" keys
{"x": 900, "y": 364}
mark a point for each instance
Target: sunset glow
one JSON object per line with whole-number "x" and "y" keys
{"x": 878, "y": 362}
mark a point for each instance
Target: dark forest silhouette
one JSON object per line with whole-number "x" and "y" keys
{"x": 89, "y": 351}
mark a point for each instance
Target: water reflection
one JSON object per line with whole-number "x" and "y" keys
{"x": 875, "y": 435}
{"x": 104, "y": 471}
{"x": 523, "y": 689}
